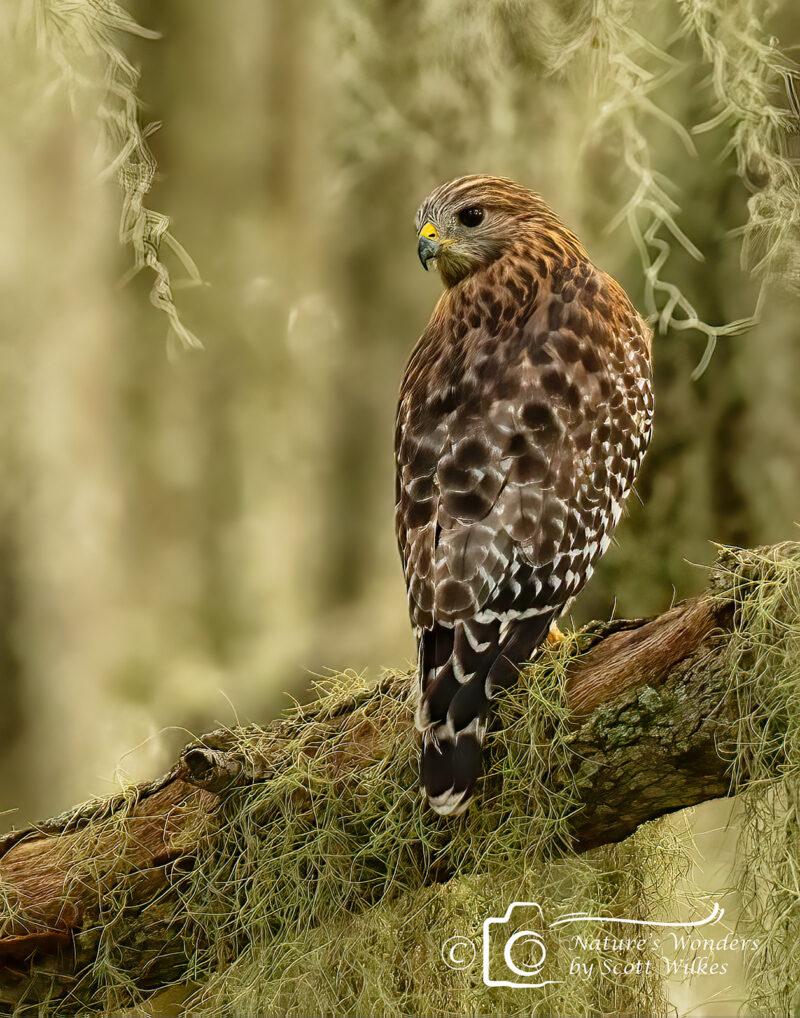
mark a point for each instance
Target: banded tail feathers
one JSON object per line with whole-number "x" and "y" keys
{"x": 463, "y": 667}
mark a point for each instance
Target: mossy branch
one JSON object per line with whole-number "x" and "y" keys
{"x": 317, "y": 816}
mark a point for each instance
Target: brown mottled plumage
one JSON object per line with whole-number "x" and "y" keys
{"x": 524, "y": 415}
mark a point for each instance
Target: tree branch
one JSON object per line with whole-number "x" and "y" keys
{"x": 650, "y": 706}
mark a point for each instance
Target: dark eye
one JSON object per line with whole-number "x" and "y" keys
{"x": 471, "y": 216}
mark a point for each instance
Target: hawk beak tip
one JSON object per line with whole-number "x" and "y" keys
{"x": 427, "y": 250}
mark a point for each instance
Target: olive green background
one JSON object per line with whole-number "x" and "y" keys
{"x": 188, "y": 536}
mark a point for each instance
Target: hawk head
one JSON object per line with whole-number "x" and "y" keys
{"x": 471, "y": 221}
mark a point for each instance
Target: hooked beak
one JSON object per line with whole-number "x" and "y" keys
{"x": 429, "y": 244}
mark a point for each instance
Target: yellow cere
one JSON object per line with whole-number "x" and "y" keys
{"x": 429, "y": 231}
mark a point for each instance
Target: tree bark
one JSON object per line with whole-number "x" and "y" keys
{"x": 650, "y": 704}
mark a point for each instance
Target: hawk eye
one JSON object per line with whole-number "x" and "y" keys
{"x": 470, "y": 216}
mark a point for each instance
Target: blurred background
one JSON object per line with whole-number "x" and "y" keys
{"x": 189, "y": 535}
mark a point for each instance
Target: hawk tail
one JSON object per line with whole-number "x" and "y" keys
{"x": 463, "y": 667}
{"x": 449, "y": 770}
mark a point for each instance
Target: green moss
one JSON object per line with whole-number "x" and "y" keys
{"x": 319, "y": 901}
{"x": 651, "y": 702}
{"x": 765, "y": 661}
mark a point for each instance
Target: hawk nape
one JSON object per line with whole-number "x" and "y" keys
{"x": 524, "y": 414}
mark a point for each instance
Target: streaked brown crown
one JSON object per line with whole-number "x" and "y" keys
{"x": 479, "y": 189}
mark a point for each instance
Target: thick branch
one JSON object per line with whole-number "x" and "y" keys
{"x": 649, "y": 702}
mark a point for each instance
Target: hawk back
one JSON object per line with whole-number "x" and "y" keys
{"x": 524, "y": 415}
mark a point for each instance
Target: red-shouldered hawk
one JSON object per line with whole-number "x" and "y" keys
{"x": 524, "y": 414}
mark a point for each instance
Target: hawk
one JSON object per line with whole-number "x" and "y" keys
{"x": 524, "y": 414}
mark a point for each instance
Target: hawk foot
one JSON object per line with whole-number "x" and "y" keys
{"x": 555, "y": 636}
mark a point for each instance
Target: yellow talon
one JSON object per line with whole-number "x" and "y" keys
{"x": 555, "y": 636}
